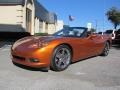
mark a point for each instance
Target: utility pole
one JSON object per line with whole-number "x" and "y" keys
{"x": 96, "y": 23}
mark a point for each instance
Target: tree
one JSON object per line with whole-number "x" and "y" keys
{"x": 114, "y": 16}
{"x": 93, "y": 30}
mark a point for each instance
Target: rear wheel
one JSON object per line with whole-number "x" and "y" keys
{"x": 61, "y": 58}
{"x": 106, "y": 49}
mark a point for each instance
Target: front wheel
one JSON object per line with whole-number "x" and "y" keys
{"x": 106, "y": 49}
{"x": 61, "y": 58}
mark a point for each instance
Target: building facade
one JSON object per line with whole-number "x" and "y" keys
{"x": 26, "y": 16}
{"x": 60, "y": 25}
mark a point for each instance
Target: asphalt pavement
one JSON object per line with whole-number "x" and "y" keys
{"x": 96, "y": 73}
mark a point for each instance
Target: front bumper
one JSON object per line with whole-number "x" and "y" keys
{"x": 41, "y": 57}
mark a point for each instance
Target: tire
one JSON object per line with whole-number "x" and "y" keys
{"x": 106, "y": 49}
{"x": 61, "y": 58}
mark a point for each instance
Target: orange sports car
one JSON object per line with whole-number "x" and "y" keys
{"x": 59, "y": 50}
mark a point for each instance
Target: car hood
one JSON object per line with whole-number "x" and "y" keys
{"x": 26, "y": 42}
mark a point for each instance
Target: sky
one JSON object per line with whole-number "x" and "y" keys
{"x": 84, "y": 11}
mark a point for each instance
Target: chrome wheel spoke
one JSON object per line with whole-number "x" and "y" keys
{"x": 59, "y": 63}
{"x": 63, "y": 51}
{"x": 59, "y": 55}
{"x": 62, "y": 58}
{"x": 65, "y": 60}
{"x": 106, "y": 49}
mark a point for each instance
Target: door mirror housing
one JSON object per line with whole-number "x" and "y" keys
{"x": 92, "y": 36}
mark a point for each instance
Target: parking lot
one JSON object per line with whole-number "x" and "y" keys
{"x": 97, "y": 73}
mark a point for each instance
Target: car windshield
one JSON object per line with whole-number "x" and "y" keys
{"x": 109, "y": 31}
{"x": 71, "y": 32}
{"x": 99, "y": 32}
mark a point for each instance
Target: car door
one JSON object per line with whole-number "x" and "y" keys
{"x": 99, "y": 42}
{"x": 89, "y": 46}
{"x": 85, "y": 47}
{"x": 95, "y": 44}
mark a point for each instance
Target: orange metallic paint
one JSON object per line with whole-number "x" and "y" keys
{"x": 81, "y": 48}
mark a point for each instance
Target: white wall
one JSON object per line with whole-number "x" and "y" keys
{"x": 51, "y": 28}
{"x": 60, "y": 24}
{"x": 32, "y": 8}
{"x": 43, "y": 28}
{"x": 40, "y": 27}
{"x": 10, "y": 16}
{"x": 13, "y": 19}
{"x": 37, "y": 27}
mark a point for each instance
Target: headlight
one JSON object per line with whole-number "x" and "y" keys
{"x": 35, "y": 45}
{"x": 43, "y": 44}
{"x": 39, "y": 45}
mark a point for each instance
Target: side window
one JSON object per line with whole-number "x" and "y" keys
{"x": 85, "y": 34}
{"x": 61, "y": 33}
{"x": 71, "y": 33}
{"x": 89, "y": 33}
{"x": 78, "y": 32}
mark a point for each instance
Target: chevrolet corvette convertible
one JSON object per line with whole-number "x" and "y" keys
{"x": 59, "y": 50}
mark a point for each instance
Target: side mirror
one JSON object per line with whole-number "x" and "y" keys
{"x": 92, "y": 36}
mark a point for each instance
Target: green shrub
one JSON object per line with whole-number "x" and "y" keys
{"x": 41, "y": 34}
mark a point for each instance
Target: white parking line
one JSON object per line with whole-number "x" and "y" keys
{"x": 79, "y": 73}
{"x": 5, "y": 49}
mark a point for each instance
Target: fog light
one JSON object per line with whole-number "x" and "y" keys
{"x": 34, "y": 60}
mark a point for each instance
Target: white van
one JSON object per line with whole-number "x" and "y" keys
{"x": 111, "y": 33}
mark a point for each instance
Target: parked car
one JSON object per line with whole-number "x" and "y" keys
{"x": 101, "y": 33}
{"x": 117, "y": 37}
{"x": 111, "y": 33}
{"x": 59, "y": 50}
